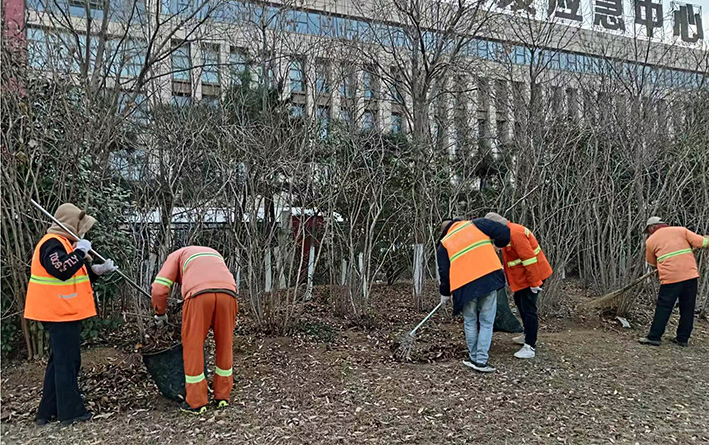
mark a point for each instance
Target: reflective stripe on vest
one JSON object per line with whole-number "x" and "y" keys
{"x": 51, "y": 281}
{"x": 198, "y": 255}
{"x": 470, "y": 253}
{"x": 194, "y": 378}
{"x": 470, "y": 248}
{"x": 164, "y": 281}
{"x": 456, "y": 230}
{"x": 671, "y": 254}
{"x": 222, "y": 372}
{"x": 51, "y": 299}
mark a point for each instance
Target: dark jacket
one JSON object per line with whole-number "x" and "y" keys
{"x": 500, "y": 235}
{"x": 62, "y": 264}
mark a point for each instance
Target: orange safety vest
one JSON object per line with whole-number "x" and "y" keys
{"x": 51, "y": 299}
{"x": 471, "y": 254}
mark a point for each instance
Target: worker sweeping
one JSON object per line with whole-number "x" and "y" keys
{"x": 669, "y": 249}
{"x": 526, "y": 269}
{"x": 209, "y": 294}
{"x": 59, "y": 295}
{"x": 470, "y": 269}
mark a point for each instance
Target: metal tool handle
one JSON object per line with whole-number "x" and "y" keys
{"x": 92, "y": 251}
{"x": 425, "y": 319}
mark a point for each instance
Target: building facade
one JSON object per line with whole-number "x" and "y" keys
{"x": 356, "y": 63}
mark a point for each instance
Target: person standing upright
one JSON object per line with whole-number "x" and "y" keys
{"x": 59, "y": 295}
{"x": 670, "y": 250}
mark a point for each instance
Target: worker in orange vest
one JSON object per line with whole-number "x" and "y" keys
{"x": 209, "y": 294}
{"x": 59, "y": 295}
{"x": 526, "y": 269}
{"x": 470, "y": 270}
{"x": 669, "y": 249}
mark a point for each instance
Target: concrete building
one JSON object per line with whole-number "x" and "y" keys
{"x": 307, "y": 52}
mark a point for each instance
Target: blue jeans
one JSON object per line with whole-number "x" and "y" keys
{"x": 481, "y": 309}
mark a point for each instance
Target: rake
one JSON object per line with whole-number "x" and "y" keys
{"x": 610, "y": 297}
{"x": 92, "y": 251}
{"x": 408, "y": 340}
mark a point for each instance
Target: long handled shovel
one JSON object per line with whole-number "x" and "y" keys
{"x": 93, "y": 252}
{"x": 408, "y": 339}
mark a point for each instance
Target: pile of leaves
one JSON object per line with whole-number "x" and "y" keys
{"x": 115, "y": 382}
{"x": 158, "y": 338}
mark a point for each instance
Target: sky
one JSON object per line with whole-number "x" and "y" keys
{"x": 705, "y": 15}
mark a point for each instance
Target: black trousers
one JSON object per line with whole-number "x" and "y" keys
{"x": 526, "y": 302}
{"x": 686, "y": 292}
{"x": 60, "y": 396}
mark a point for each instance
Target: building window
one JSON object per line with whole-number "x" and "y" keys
{"x": 296, "y": 77}
{"x": 396, "y": 123}
{"x": 323, "y": 115}
{"x": 181, "y": 100}
{"x": 322, "y": 78}
{"x": 270, "y": 80}
{"x": 368, "y": 85}
{"x": 210, "y": 60}
{"x": 238, "y": 64}
{"x": 134, "y": 107}
{"x": 297, "y": 110}
{"x": 77, "y": 8}
{"x": 298, "y": 22}
{"x": 397, "y": 86}
{"x": 133, "y": 57}
{"x": 368, "y": 120}
{"x": 346, "y": 116}
{"x": 181, "y": 64}
{"x": 212, "y": 101}
{"x": 347, "y": 90}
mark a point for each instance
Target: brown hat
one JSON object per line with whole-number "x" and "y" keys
{"x": 74, "y": 219}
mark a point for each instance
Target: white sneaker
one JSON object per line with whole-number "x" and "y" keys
{"x": 526, "y": 352}
{"x": 519, "y": 339}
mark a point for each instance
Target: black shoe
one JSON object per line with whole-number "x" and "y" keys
{"x": 82, "y": 418}
{"x": 185, "y": 408}
{"x": 221, "y": 404}
{"x": 679, "y": 343}
{"x": 42, "y": 422}
{"x": 647, "y": 341}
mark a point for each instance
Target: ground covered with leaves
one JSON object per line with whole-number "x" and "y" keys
{"x": 339, "y": 382}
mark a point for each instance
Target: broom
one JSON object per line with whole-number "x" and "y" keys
{"x": 609, "y": 298}
{"x": 408, "y": 340}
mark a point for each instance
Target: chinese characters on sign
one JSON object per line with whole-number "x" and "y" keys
{"x": 565, "y": 9}
{"x": 518, "y": 5}
{"x": 688, "y": 19}
{"x": 609, "y": 14}
{"x": 648, "y": 13}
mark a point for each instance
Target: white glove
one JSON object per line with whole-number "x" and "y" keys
{"x": 108, "y": 266}
{"x": 536, "y": 290}
{"x": 161, "y": 320}
{"x": 445, "y": 300}
{"x": 83, "y": 245}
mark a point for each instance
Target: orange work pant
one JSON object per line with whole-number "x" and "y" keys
{"x": 199, "y": 313}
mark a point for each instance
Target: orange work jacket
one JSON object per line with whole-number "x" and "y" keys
{"x": 51, "y": 299}
{"x": 670, "y": 250}
{"x": 471, "y": 254}
{"x": 197, "y": 269}
{"x": 525, "y": 262}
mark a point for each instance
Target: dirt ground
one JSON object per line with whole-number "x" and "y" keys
{"x": 590, "y": 383}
